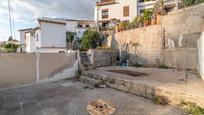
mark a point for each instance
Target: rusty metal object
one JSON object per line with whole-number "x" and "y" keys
{"x": 100, "y": 107}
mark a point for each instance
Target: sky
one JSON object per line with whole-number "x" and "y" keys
{"x": 25, "y": 12}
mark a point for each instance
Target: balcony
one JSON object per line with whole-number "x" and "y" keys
{"x": 105, "y": 2}
{"x": 144, "y": 3}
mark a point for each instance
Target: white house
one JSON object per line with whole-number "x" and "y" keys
{"x": 50, "y": 35}
{"x": 125, "y": 10}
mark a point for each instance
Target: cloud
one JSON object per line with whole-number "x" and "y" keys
{"x": 29, "y": 10}
{"x": 26, "y": 12}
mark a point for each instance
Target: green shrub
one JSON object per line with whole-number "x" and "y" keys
{"x": 90, "y": 39}
{"x": 147, "y": 14}
{"x": 9, "y": 47}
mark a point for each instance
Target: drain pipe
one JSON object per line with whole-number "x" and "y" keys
{"x": 37, "y": 67}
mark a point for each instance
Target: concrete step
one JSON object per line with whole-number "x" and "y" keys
{"x": 88, "y": 80}
{"x": 86, "y": 68}
{"x": 141, "y": 88}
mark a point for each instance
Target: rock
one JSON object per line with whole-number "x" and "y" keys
{"x": 100, "y": 107}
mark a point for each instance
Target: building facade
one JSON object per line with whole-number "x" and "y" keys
{"x": 50, "y": 35}
{"x": 79, "y": 26}
{"x": 126, "y": 10}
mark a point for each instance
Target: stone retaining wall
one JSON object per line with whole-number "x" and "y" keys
{"x": 149, "y": 44}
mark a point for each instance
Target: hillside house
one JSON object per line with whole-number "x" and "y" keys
{"x": 126, "y": 10}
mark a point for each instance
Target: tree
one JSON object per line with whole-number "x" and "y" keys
{"x": 199, "y": 1}
{"x": 10, "y": 38}
{"x": 188, "y": 2}
{"x": 90, "y": 39}
{"x": 10, "y": 47}
{"x": 70, "y": 38}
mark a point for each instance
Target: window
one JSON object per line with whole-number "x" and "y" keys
{"x": 142, "y": 11}
{"x": 79, "y": 25}
{"x": 104, "y": 13}
{"x": 87, "y": 26}
{"x": 126, "y": 11}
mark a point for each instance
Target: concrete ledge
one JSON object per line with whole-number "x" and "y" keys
{"x": 145, "y": 89}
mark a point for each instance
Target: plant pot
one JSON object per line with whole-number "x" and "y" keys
{"x": 146, "y": 23}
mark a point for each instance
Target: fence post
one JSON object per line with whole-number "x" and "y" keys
{"x": 37, "y": 67}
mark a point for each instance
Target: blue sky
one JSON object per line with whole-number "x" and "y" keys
{"x": 26, "y": 12}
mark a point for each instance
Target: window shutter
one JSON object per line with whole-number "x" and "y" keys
{"x": 126, "y": 11}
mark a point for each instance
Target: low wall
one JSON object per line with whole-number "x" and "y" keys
{"x": 182, "y": 58}
{"x": 20, "y": 69}
{"x": 101, "y": 57}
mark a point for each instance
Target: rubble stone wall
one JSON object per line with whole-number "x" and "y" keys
{"x": 144, "y": 44}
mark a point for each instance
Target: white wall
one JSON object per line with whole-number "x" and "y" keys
{"x": 116, "y": 10}
{"x": 53, "y": 35}
{"x": 71, "y": 25}
{"x": 38, "y": 34}
{"x": 22, "y": 37}
{"x": 201, "y": 55}
{"x": 30, "y": 43}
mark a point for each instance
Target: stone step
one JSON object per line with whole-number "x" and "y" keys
{"x": 144, "y": 89}
{"x": 88, "y": 80}
{"x": 83, "y": 68}
{"x": 94, "y": 76}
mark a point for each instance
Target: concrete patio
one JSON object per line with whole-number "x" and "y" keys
{"x": 71, "y": 98}
{"x": 169, "y": 83}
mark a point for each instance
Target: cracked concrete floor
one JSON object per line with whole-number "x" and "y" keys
{"x": 71, "y": 98}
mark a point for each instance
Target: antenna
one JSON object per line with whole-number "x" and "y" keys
{"x": 11, "y": 32}
{"x": 9, "y": 9}
{"x": 13, "y": 19}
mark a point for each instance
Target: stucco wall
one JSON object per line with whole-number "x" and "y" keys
{"x": 20, "y": 69}
{"x": 101, "y": 58}
{"x": 182, "y": 58}
{"x": 183, "y": 21}
{"x": 149, "y": 42}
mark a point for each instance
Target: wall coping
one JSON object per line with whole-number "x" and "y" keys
{"x": 141, "y": 28}
{"x": 187, "y": 8}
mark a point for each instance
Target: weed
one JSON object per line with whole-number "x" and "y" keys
{"x": 88, "y": 87}
{"x": 100, "y": 84}
{"x": 137, "y": 65}
{"x": 162, "y": 66}
{"x": 161, "y": 100}
{"x": 192, "y": 108}
{"x": 78, "y": 74}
